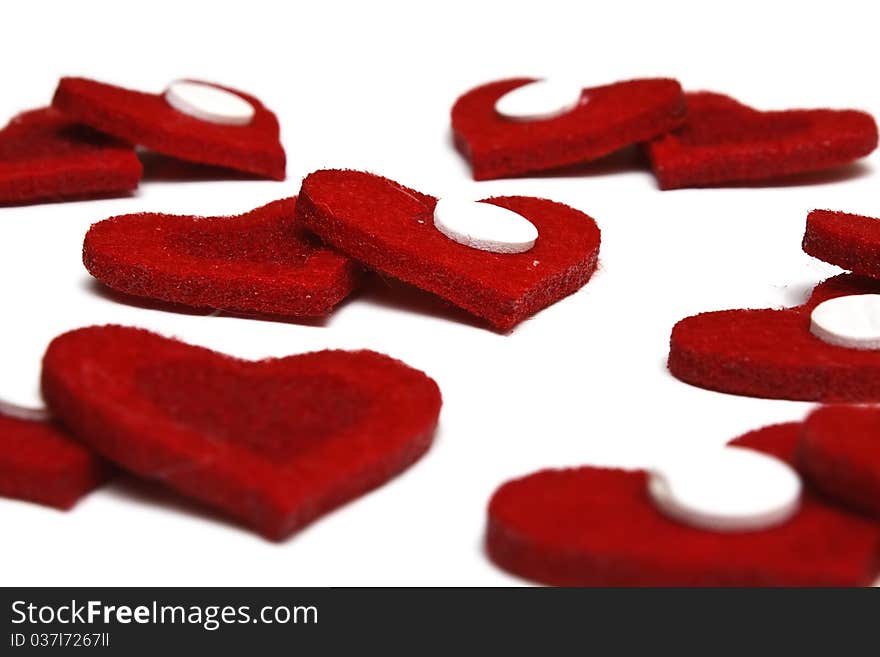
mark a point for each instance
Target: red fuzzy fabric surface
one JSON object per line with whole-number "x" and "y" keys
{"x": 840, "y": 453}
{"x": 45, "y": 156}
{"x": 724, "y": 141}
{"x": 612, "y": 117}
{"x": 40, "y": 463}
{"x": 148, "y": 120}
{"x": 273, "y": 444}
{"x": 261, "y": 262}
{"x": 598, "y": 527}
{"x": 772, "y": 353}
{"x": 850, "y": 241}
{"x": 390, "y": 228}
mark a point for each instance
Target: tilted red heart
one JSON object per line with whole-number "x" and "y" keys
{"x": 598, "y": 527}
{"x": 840, "y": 453}
{"x": 390, "y": 228}
{"x": 261, "y": 262}
{"x": 614, "y": 116}
{"x": 147, "y": 119}
{"x": 772, "y": 353}
{"x": 724, "y": 141}
{"x": 850, "y": 241}
{"x": 274, "y": 443}
{"x": 46, "y": 156}
{"x": 41, "y": 463}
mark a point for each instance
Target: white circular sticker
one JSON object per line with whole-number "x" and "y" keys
{"x": 727, "y": 489}
{"x": 851, "y": 321}
{"x": 484, "y": 226}
{"x": 209, "y": 103}
{"x": 540, "y": 100}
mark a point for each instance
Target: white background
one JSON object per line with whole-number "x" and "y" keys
{"x": 369, "y": 85}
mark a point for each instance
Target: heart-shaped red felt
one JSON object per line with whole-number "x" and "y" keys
{"x": 40, "y": 463}
{"x": 850, "y": 241}
{"x": 148, "y": 120}
{"x": 45, "y": 156}
{"x": 260, "y": 262}
{"x": 390, "y": 228}
{"x": 274, "y": 444}
{"x": 611, "y": 117}
{"x": 772, "y": 353}
{"x": 840, "y": 453}
{"x": 598, "y": 527}
{"x": 724, "y": 141}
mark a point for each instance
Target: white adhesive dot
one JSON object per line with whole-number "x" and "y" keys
{"x": 728, "y": 489}
{"x": 851, "y": 321}
{"x": 24, "y": 413}
{"x": 484, "y": 226}
{"x": 209, "y": 103}
{"x": 540, "y": 100}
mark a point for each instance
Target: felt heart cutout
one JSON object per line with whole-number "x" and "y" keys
{"x": 40, "y": 463}
{"x": 840, "y": 453}
{"x": 598, "y": 527}
{"x": 274, "y": 443}
{"x": 608, "y": 119}
{"x": 46, "y": 156}
{"x": 390, "y": 228}
{"x": 724, "y": 141}
{"x": 773, "y": 354}
{"x": 149, "y": 120}
{"x": 261, "y": 262}
{"x": 850, "y": 241}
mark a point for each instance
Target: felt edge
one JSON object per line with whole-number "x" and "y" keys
{"x": 825, "y": 471}
{"x": 823, "y": 242}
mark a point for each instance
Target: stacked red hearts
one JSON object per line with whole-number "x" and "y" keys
{"x": 525, "y": 126}
{"x": 827, "y": 349}
{"x": 600, "y": 527}
{"x": 501, "y": 260}
{"x": 83, "y": 146}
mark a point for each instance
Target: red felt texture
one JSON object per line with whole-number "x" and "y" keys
{"x": 146, "y": 119}
{"x": 612, "y": 117}
{"x": 45, "y": 156}
{"x": 40, "y": 463}
{"x": 390, "y": 228}
{"x": 772, "y": 353}
{"x": 840, "y": 453}
{"x": 597, "y": 527}
{"x": 724, "y": 141}
{"x": 850, "y": 241}
{"x": 261, "y": 262}
{"x": 274, "y": 444}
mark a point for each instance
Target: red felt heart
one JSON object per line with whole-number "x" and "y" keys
{"x": 390, "y": 228}
{"x": 724, "y": 141}
{"x": 614, "y": 116}
{"x": 260, "y": 262}
{"x": 274, "y": 444}
{"x": 148, "y": 120}
{"x": 840, "y": 453}
{"x": 772, "y": 353}
{"x": 46, "y": 156}
{"x": 40, "y": 463}
{"x": 597, "y": 527}
{"x": 850, "y": 241}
